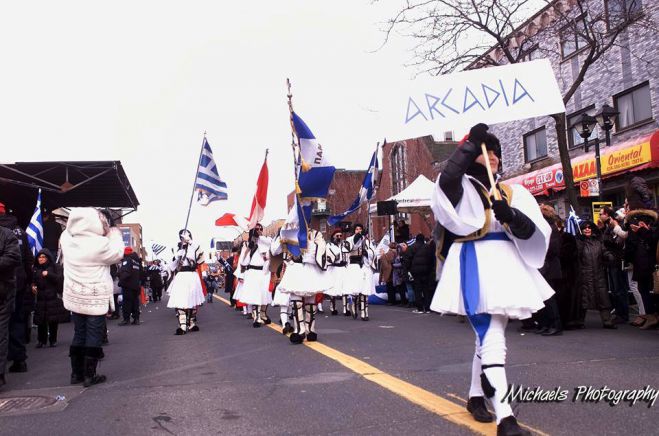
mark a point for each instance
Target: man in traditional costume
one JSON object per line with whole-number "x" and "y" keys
{"x": 337, "y": 264}
{"x": 305, "y": 277}
{"x": 286, "y": 266}
{"x": 491, "y": 268}
{"x": 359, "y": 273}
{"x": 185, "y": 290}
{"x": 254, "y": 278}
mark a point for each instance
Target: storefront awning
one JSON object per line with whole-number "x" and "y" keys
{"x": 633, "y": 155}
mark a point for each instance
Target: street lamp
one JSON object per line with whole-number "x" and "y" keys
{"x": 584, "y": 127}
{"x": 606, "y": 119}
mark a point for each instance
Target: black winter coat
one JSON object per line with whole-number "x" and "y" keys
{"x": 593, "y": 258}
{"x": 423, "y": 260}
{"x": 49, "y": 306}
{"x": 130, "y": 272}
{"x": 551, "y": 270}
{"x": 10, "y": 258}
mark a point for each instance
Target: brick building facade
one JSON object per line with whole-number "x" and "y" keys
{"x": 626, "y": 78}
{"x": 401, "y": 163}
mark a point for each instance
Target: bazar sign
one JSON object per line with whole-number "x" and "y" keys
{"x": 489, "y": 95}
{"x": 613, "y": 162}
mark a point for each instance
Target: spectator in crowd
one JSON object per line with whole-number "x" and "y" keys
{"x": 10, "y": 259}
{"x": 49, "y": 310}
{"x": 52, "y": 231}
{"x": 567, "y": 295}
{"x": 422, "y": 268}
{"x": 593, "y": 259}
{"x": 90, "y": 244}
{"x": 116, "y": 291}
{"x": 613, "y": 238}
{"x": 130, "y": 279}
{"x": 401, "y": 232}
{"x": 549, "y": 318}
{"x": 386, "y": 272}
{"x": 399, "y": 275}
{"x": 24, "y": 300}
{"x": 640, "y": 251}
{"x": 406, "y": 260}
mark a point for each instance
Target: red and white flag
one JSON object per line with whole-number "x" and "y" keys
{"x": 260, "y": 197}
{"x": 232, "y": 220}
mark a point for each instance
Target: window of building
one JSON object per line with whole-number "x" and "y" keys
{"x": 573, "y": 137}
{"x": 634, "y": 105}
{"x": 398, "y": 181}
{"x": 620, "y": 11}
{"x": 572, "y": 39}
{"x": 531, "y": 54}
{"x": 535, "y": 144}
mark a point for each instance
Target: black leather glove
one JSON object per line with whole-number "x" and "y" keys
{"x": 502, "y": 212}
{"x": 519, "y": 224}
{"x": 478, "y": 134}
{"x": 450, "y": 179}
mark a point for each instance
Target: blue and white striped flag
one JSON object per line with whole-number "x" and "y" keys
{"x": 35, "y": 228}
{"x": 572, "y": 223}
{"x": 315, "y": 172}
{"x": 209, "y": 185}
{"x": 294, "y": 231}
{"x": 366, "y": 191}
{"x": 157, "y": 248}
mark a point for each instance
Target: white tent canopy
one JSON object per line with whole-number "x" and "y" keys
{"x": 414, "y": 198}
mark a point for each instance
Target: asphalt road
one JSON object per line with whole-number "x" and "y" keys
{"x": 230, "y": 378}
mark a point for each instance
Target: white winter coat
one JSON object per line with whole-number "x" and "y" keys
{"x": 88, "y": 254}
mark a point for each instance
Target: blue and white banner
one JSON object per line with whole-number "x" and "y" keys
{"x": 208, "y": 184}
{"x": 35, "y": 228}
{"x": 487, "y": 95}
{"x": 365, "y": 193}
{"x": 315, "y": 172}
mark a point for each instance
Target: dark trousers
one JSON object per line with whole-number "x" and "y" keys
{"x": 645, "y": 288}
{"x": 7, "y": 297}
{"x": 47, "y": 332}
{"x": 115, "y": 314}
{"x": 17, "y": 323}
{"x": 619, "y": 286}
{"x": 131, "y": 304}
{"x": 88, "y": 330}
{"x": 391, "y": 293}
{"x": 422, "y": 297}
{"x": 156, "y": 293}
{"x": 549, "y": 316}
{"x": 228, "y": 287}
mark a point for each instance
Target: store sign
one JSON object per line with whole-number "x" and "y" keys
{"x": 589, "y": 188}
{"x": 614, "y": 162}
{"x": 541, "y": 182}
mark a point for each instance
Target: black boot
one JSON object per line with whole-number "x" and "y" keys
{"x": 296, "y": 338}
{"x": 92, "y": 355}
{"x": 18, "y": 366}
{"x": 287, "y": 328}
{"x": 77, "y": 355}
{"x": 509, "y": 427}
{"x": 312, "y": 337}
{"x": 476, "y": 406}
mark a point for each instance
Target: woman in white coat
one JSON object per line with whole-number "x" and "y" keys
{"x": 90, "y": 245}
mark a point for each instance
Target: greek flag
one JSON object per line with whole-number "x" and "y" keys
{"x": 35, "y": 228}
{"x": 157, "y": 248}
{"x": 366, "y": 191}
{"x": 208, "y": 184}
{"x": 315, "y": 172}
{"x": 572, "y": 223}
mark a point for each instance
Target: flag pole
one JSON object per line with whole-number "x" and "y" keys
{"x": 368, "y": 202}
{"x": 295, "y": 144}
{"x": 194, "y": 184}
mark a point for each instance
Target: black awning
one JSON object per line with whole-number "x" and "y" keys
{"x": 65, "y": 184}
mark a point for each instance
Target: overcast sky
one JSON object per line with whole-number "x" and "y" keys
{"x": 140, "y": 81}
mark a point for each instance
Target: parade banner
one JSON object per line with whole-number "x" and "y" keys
{"x": 488, "y": 95}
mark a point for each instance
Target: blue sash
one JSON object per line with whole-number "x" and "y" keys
{"x": 470, "y": 285}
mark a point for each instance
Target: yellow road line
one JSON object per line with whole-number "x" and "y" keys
{"x": 446, "y": 409}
